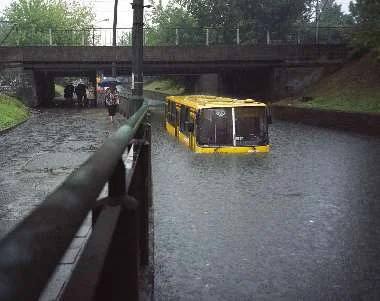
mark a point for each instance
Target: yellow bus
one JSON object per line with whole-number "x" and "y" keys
{"x": 210, "y": 124}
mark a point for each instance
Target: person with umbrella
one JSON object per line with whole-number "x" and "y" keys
{"x": 111, "y": 99}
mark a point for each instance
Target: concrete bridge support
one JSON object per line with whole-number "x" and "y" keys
{"x": 45, "y": 87}
{"x": 207, "y": 84}
{"x": 26, "y": 88}
{"x": 32, "y": 87}
{"x": 290, "y": 81}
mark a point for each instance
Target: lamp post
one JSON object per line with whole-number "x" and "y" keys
{"x": 114, "y": 73}
{"x": 317, "y": 16}
{"x": 137, "y": 54}
{"x": 93, "y": 29}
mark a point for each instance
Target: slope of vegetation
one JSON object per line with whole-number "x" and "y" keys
{"x": 354, "y": 88}
{"x": 12, "y": 112}
{"x": 164, "y": 85}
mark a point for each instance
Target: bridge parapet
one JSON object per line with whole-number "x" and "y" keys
{"x": 175, "y": 57}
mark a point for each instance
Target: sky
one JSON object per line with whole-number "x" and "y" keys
{"x": 104, "y": 10}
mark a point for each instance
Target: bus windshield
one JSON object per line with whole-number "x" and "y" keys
{"x": 242, "y": 126}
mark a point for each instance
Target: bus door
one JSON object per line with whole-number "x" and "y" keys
{"x": 178, "y": 108}
{"x": 191, "y": 128}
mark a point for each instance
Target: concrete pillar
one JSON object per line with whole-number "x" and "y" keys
{"x": 92, "y": 79}
{"x": 26, "y": 88}
{"x": 207, "y": 84}
{"x": 44, "y": 87}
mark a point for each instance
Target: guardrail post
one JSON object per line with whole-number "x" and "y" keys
{"x": 140, "y": 189}
{"x": 121, "y": 269}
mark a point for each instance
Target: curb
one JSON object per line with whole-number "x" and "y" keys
{"x": 6, "y": 130}
{"x": 363, "y": 123}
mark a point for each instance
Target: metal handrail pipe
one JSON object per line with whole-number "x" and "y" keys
{"x": 30, "y": 253}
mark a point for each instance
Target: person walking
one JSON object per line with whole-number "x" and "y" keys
{"x": 112, "y": 100}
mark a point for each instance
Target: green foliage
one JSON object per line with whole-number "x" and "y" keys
{"x": 164, "y": 22}
{"x": 282, "y": 19}
{"x": 329, "y": 22}
{"x": 68, "y": 20}
{"x": 12, "y": 111}
{"x": 366, "y": 14}
{"x": 59, "y": 90}
{"x": 368, "y": 105}
{"x": 165, "y": 85}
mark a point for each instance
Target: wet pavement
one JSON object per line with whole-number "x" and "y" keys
{"x": 299, "y": 223}
{"x": 36, "y": 157}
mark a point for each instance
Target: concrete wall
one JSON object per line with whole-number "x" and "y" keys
{"x": 22, "y": 82}
{"x": 289, "y": 81}
{"x": 363, "y": 123}
{"x": 207, "y": 84}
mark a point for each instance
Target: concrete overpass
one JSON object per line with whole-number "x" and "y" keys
{"x": 39, "y": 65}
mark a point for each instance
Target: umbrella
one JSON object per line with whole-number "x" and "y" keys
{"x": 109, "y": 81}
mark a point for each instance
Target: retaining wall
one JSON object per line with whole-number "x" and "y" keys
{"x": 364, "y": 123}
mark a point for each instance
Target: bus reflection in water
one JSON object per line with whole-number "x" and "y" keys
{"x": 209, "y": 124}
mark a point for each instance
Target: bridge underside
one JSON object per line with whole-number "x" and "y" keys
{"x": 255, "y": 72}
{"x": 266, "y": 83}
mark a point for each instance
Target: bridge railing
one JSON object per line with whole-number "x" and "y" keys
{"x": 172, "y": 36}
{"x": 118, "y": 247}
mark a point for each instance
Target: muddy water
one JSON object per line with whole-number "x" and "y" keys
{"x": 299, "y": 223}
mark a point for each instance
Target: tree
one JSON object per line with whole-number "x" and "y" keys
{"x": 253, "y": 17}
{"x": 170, "y": 25}
{"x": 5, "y": 30}
{"x": 327, "y": 22}
{"x": 366, "y": 14}
{"x": 68, "y": 20}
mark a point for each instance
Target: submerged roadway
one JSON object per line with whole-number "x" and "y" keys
{"x": 299, "y": 223}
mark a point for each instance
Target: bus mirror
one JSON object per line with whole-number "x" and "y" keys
{"x": 189, "y": 126}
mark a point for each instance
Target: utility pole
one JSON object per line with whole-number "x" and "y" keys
{"x": 316, "y": 21}
{"x": 137, "y": 55}
{"x": 114, "y": 73}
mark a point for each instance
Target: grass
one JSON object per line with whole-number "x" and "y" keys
{"x": 59, "y": 90}
{"x": 12, "y": 112}
{"x": 352, "y": 88}
{"x": 366, "y": 105}
{"x": 167, "y": 86}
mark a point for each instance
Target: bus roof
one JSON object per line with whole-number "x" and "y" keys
{"x": 207, "y": 101}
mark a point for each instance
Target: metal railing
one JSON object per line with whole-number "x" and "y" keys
{"x": 172, "y": 36}
{"x": 118, "y": 247}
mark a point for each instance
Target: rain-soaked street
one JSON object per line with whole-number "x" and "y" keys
{"x": 299, "y": 223}
{"x": 38, "y": 155}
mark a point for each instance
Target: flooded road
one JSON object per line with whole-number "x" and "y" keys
{"x": 299, "y": 223}
{"x": 38, "y": 155}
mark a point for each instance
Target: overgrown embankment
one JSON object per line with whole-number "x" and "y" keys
{"x": 353, "y": 88}
{"x": 12, "y": 112}
{"x": 165, "y": 86}
{"x": 349, "y": 99}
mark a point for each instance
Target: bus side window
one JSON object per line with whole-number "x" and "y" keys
{"x": 171, "y": 113}
{"x": 184, "y": 120}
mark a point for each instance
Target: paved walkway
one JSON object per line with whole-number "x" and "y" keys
{"x": 37, "y": 157}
